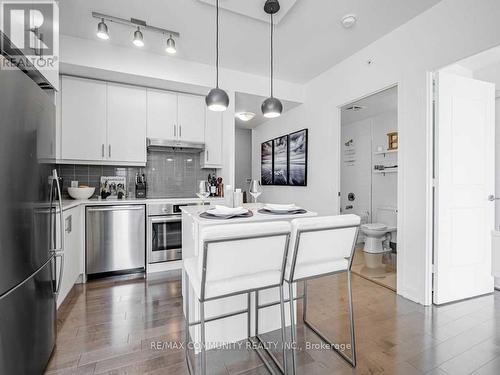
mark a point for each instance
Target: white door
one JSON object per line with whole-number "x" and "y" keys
{"x": 126, "y": 124}
{"x": 83, "y": 119}
{"x": 465, "y": 178}
{"x": 212, "y": 156}
{"x": 191, "y": 115}
{"x": 162, "y": 115}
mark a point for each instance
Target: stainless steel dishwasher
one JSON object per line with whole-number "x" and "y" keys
{"x": 115, "y": 238}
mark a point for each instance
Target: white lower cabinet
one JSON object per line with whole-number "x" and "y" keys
{"x": 73, "y": 251}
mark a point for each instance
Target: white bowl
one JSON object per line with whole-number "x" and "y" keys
{"x": 81, "y": 192}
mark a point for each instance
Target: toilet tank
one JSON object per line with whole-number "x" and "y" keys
{"x": 388, "y": 216}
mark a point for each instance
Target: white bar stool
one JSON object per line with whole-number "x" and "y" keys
{"x": 321, "y": 246}
{"x": 237, "y": 259}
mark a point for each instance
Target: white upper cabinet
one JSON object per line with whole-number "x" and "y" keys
{"x": 126, "y": 116}
{"x": 83, "y": 119}
{"x": 191, "y": 118}
{"x": 212, "y": 156}
{"x": 108, "y": 123}
{"x": 162, "y": 115}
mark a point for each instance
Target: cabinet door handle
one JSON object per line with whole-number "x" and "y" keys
{"x": 207, "y": 156}
{"x": 180, "y": 131}
{"x": 102, "y": 151}
{"x": 69, "y": 224}
{"x": 175, "y": 131}
{"x": 109, "y": 150}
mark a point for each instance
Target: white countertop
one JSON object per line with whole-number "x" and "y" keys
{"x": 195, "y": 211}
{"x": 71, "y": 203}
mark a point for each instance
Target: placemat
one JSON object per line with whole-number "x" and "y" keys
{"x": 294, "y": 212}
{"x": 206, "y": 215}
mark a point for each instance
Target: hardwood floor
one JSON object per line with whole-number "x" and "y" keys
{"x": 385, "y": 276}
{"x": 118, "y": 327}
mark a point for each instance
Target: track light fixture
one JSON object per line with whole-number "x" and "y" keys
{"x": 139, "y": 25}
{"x": 171, "y": 46}
{"x": 272, "y": 107}
{"x": 102, "y": 30}
{"x": 138, "y": 38}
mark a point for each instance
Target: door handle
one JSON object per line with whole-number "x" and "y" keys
{"x": 180, "y": 131}
{"x": 109, "y": 150}
{"x": 175, "y": 130}
{"x": 492, "y": 198}
{"x": 102, "y": 151}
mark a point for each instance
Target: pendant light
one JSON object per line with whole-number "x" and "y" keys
{"x": 217, "y": 99}
{"x": 272, "y": 107}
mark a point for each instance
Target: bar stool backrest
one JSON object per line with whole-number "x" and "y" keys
{"x": 321, "y": 245}
{"x": 238, "y": 250}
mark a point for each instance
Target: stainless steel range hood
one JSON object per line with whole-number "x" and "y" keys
{"x": 159, "y": 144}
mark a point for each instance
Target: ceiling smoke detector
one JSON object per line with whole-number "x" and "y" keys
{"x": 355, "y": 108}
{"x": 349, "y": 20}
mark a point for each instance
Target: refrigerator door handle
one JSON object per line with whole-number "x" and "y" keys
{"x": 59, "y": 253}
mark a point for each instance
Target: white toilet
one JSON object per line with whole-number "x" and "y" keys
{"x": 376, "y": 233}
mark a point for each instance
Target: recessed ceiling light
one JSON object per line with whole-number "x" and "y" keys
{"x": 245, "y": 116}
{"x": 349, "y": 20}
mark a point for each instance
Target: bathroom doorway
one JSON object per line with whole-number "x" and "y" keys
{"x": 369, "y": 182}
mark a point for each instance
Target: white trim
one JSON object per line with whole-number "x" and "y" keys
{"x": 429, "y": 187}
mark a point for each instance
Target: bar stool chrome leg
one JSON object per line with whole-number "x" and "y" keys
{"x": 333, "y": 346}
{"x": 292, "y": 328}
{"x": 188, "y": 336}
{"x": 281, "y": 303}
{"x": 203, "y": 344}
{"x": 283, "y": 333}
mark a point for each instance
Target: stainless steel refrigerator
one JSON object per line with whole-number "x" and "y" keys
{"x": 31, "y": 259}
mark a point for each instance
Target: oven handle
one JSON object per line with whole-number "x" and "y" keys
{"x": 163, "y": 219}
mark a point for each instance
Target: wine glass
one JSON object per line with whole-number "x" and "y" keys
{"x": 255, "y": 189}
{"x": 203, "y": 191}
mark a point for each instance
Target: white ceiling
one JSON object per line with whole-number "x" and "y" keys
{"x": 251, "y": 103}
{"x": 481, "y": 60}
{"x": 309, "y": 39}
{"x": 253, "y": 9}
{"x": 384, "y": 101}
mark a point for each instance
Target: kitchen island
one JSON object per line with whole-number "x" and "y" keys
{"x": 233, "y": 328}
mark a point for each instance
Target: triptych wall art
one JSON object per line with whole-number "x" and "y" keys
{"x": 284, "y": 160}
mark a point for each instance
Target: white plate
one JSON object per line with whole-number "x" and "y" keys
{"x": 281, "y": 207}
{"x": 216, "y": 212}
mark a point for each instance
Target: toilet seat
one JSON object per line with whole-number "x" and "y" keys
{"x": 374, "y": 226}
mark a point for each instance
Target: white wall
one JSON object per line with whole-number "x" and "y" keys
{"x": 356, "y": 168}
{"x": 243, "y": 158}
{"x": 438, "y": 37}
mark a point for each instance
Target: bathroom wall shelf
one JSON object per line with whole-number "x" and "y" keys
{"x": 385, "y": 152}
{"x": 383, "y": 172}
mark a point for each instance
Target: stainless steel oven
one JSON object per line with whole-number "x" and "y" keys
{"x": 164, "y": 232}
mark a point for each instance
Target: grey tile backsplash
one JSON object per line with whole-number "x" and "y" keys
{"x": 168, "y": 174}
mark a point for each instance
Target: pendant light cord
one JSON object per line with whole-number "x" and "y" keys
{"x": 272, "y": 57}
{"x": 217, "y": 46}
